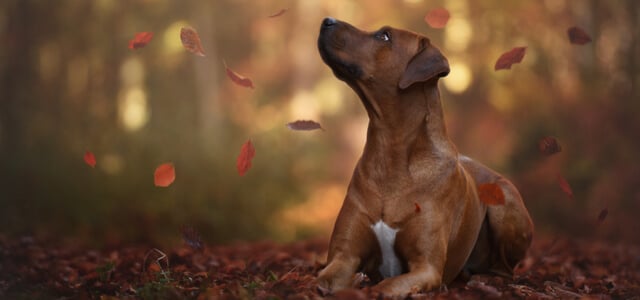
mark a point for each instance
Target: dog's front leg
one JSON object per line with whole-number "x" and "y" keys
{"x": 351, "y": 243}
{"x": 425, "y": 253}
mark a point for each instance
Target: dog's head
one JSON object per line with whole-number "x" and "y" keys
{"x": 389, "y": 58}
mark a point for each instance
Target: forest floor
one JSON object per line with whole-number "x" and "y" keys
{"x": 33, "y": 269}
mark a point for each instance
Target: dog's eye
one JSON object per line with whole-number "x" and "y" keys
{"x": 384, "y": 36}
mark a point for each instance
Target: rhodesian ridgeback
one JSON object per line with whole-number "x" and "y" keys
{"x": 411, "y": 219}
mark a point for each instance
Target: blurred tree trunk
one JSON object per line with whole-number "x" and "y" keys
{"x": 206, "y": 73}
{"x": 17, "y": 70}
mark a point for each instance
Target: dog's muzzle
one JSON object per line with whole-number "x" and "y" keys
{"x": 331, "y": 41}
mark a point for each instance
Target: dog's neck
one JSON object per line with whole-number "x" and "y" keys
{"x": 413, "y": 124}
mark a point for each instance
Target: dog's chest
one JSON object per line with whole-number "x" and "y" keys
{"x": 391, "y": 265}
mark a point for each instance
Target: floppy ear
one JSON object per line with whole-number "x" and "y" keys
{"x": 426, "y": 64}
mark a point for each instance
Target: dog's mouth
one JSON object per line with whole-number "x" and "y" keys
{"x": 330, "y": 45}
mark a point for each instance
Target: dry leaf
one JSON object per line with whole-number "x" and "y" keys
{"x": 140, "y": 40}
{"x": 164, "y": 175}
{"x": 437, "y": 17}
{"x": 280, "y": 13}
{"x": 549, "y": 145}
{"x": 578, "y": 36}
{"x": 509, "y": 58}
{"x": 564, "y": 185}
{"x": 603, "y": 215}
{"x": 491, "y": 194}
{"x": 237, "y": 78}
{"x": 418, "y": 208}
{"x": 304, "y": 125}
{"x": 191, "y": 41}
{"x": 488, "y": 290}
{"x": 90, "y": 159}
{"x": 247, "y": 152}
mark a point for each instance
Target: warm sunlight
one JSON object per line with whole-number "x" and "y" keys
{"x": 459, "y": 79}
{"x": 457, "y": 34}
{"x": 172, "y": 45}
{"x": 132, "y": 109}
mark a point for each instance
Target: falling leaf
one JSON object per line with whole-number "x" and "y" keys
{"x": 418, "y": 208}
{"x": 164, "y": 175}
{"x": 564, "y": 185}
{"x": 280, "y": 13}
{"x": 549, "y": 145}
{"x": 437, "y": 17}
{"x": 247, "y": 152}
{"x": 304, "y": 125}
{"x": 191, "y": 237}
{"x": 509, "y": 58}
{"x": 191, "y": 41}
{"x": 90, "y": 159}
{"x": 140, "y": 40}
{"x": 237, "y": 78}
{"x": 491, "y": 194}
{"x": 603, "y": 215}
{"x": 578, "y": 36}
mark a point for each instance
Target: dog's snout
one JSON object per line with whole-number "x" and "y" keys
{"x": 328, "y": 22}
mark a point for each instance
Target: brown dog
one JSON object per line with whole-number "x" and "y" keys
{"x": 411, "y": 216}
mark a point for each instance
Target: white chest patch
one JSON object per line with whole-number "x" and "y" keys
{"x": 386, "y": 235}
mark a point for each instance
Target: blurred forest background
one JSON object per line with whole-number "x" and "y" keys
{"x": 69, "y": 84}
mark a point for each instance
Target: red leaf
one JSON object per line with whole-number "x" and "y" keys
{"x": 280, "y": 13}
{"x": 603, "y": 215}
{"x": 247, "y": 152}
{"x": 509, "y": 58}
{"x": 237, "y": 78}
{"x": 90, "y": 159}
{"x": 549, "y": 145}
{"x": 491, "y": 194}
{"x": 437, "y": 17}
{"x": 578, "y": 36}
{"x": 191, "y": 41}
{"x": 418, "y": 208}
{"x": 564, "y": 185}
{"x": 164, "y": 175}
{"x": 140, "y": 40}
{"x": 304, "y": 125}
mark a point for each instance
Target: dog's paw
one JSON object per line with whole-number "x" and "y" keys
{"x": 322, "y": 290}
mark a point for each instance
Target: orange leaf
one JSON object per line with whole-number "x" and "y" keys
{"x": 304, "y": 125}
{"x": 564, "y": 185}
{"x": 164, "y": 175}
{"x": 247, "y": 152}
{"x": 491, "y": 194}
{"x": 549, "y": 145}
{"x": 237, "y": 78}
{"x": 603, "y": 215}
{"x": 437, "y": 17}
{"x": 280, "y": 13}
{"x": 191, "y": 41}
{"x": 90, "y": 159}
{"x": 418, "y": 208}
{"x": 140, "y": 40}
{"x": 509, "y": 58}
{"x": 578, "y": 36}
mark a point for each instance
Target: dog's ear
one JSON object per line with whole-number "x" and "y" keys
{"x": 426, "y": 64}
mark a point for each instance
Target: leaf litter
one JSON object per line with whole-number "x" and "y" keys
{"x": 31, "y": 268}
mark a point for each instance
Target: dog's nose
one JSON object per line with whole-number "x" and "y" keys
{"x": 329, "y": 21}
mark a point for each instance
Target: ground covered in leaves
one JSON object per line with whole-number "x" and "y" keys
{"x": 34, "y": 269}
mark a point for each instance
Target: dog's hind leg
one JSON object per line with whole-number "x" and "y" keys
{"x": 507, "y": 231}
